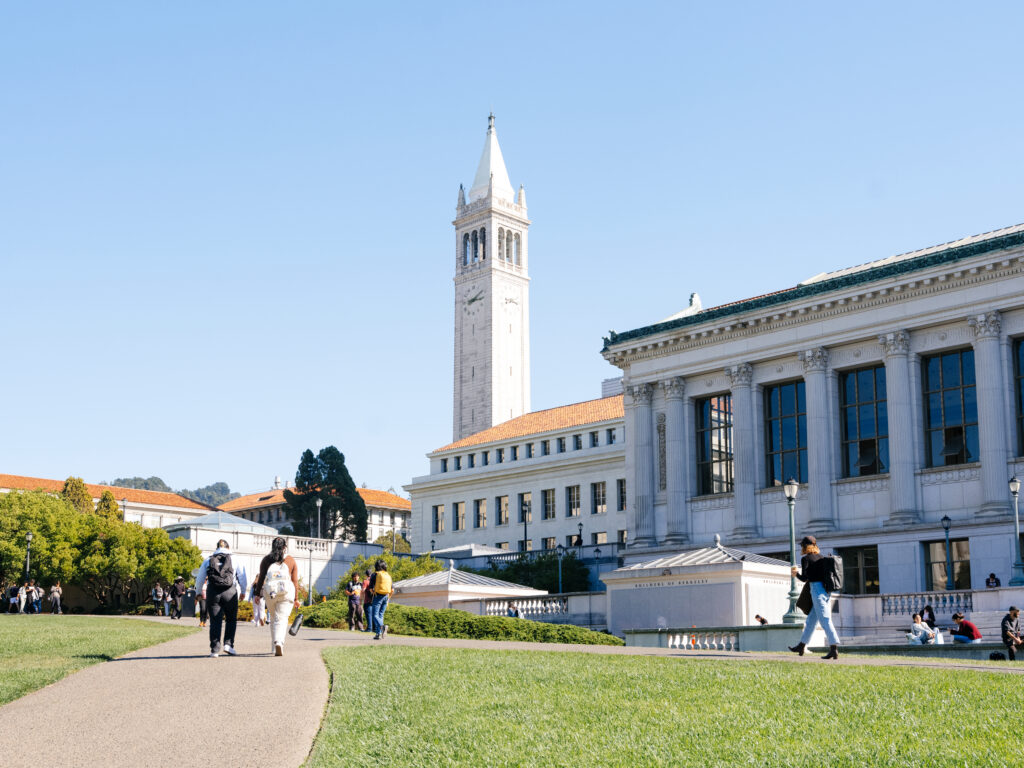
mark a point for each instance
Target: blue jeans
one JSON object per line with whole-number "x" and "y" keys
{"x": 377, "y": 608}
{"x": 964, "y": 639}
{"x": 820, "y": 614}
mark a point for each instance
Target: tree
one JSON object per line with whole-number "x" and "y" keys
{"x": 77, "y": 495}
{"x": 108, "y": 507}
{"x": 393, "y": 544}
{"x": 326, "y": 477}
{"x": 54, "y": 524}
{"x": 142, "y": 484}
{"x": 399, "y": 567}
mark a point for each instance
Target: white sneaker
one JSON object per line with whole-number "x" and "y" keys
{"x": 214, "y": 654}
{"x": 230, "y": 650}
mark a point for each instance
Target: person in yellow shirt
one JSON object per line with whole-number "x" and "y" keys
{"x": 382, "y": 589}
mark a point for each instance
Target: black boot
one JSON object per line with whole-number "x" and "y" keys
{"x": 832, "y": 653}
{"x": 797, "y": 649}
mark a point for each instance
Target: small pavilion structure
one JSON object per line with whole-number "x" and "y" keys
{"x": 452, "y": 588}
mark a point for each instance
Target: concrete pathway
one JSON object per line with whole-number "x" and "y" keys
{"x": 172, "y": 705}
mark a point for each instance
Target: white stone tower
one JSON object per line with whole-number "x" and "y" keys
{"x": 492, "y": 298}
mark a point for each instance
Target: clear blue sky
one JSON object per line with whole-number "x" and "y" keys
{"x": 225, "y": 229}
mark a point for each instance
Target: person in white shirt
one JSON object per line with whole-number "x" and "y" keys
{"x": 225, "y": 584}
{"x": 921, "y": 633}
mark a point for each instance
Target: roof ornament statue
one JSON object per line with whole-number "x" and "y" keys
{"x": 718, "y": 541}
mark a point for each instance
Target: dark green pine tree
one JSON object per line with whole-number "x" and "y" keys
{"x": 325, "y": 476}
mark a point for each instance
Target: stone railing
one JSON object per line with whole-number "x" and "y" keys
{"x": 704, "y": 640}
{"x": 582, "y": 609}
{"x": 943, "y": 603}
{"x": 530, "y": 607}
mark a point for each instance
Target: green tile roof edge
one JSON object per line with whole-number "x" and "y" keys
{"x": 881, "y": 272}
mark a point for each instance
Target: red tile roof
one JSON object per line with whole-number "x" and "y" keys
{"x": 161, "y": 498}
{"x": 372, "y": 498}
{"x": 563, "y": 417}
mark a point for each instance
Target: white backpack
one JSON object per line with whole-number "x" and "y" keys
{"x": 278, "y": 584}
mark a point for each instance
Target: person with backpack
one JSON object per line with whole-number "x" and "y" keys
{"x": 278, "y": 584}
{"x": 177, "y": 593}
{"x": 822, "y": 576}
{"x": 225, "y": 582}
{"x": 382, "y": 589}
{"x": 157, "y": 594}
{"x": 354, "y": 593}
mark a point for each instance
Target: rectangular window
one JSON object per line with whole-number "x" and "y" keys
{"x": 598, "y": 498}
{"x": 714, "y": 445}
{"x": 601, "y": 537}
{"x": 609, "y": 436}
{"x": 560, "y": 443}
{"x": 501, "y": 505}
{"x": 513, "y": 453}
{"x": 860, "y": 570}
{"x": 935, "y": 564}
{"x": 785, "y": 427}
{"x": 572, "y": 501}
{"x": 950, "y": 409}
{"x": 548, "y": 543}
{"x": 480, "y": 513}
{"x": 529, "y": 450}
{"x": 525, "y": 507}
{"x": 485, "y": 458}
{"x": 458, "y": 463}
{"x": 595, "y": 439}
{"x": 577, "y": 442}
{"x": 1018, "y": 376}
{"x": 545, "y": 447}
{"x": 549, "y": 503}
{"x": 439, "y": 518}
{"x": 472, "y": 460}
{"x": 459, "y": 516}
{"x": 499, "y": 455}
{"x": 444, "y": 465}
{"x": 620, "y": 485}
{"x": 501, "y": 545}
{"x": 526, "y": 545}
{"x": 571, "y": 540}
{"x": 864, "y": 423}
{"x": 622, "y": 537}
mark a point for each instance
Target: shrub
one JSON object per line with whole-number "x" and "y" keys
{"x": 146, "y": 609}
{"x": 450, "y": 623}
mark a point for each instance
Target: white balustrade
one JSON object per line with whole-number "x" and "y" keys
{"x": 943, "y": 603}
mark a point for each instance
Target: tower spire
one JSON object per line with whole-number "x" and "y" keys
{"x": 491, "y": 164}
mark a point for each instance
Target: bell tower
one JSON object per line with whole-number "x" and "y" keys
{"x": 492, "y": 298}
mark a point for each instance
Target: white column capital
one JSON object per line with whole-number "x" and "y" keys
{"x": 674, "y": 388}
{"x": 740, "y": 375}
{"x": 814, "y": 359}
{"x": 986, "y": 325}
{"x": 640, "y": 394}
{"x": 895, "y": 343}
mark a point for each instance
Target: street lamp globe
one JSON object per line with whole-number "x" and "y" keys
{"x": 946, "y": 522}
{"x": 790, "y": 489}
{"x": 1014, "y": 485}
{"x": 28, "y": 537}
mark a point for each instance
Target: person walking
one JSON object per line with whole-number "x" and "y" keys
{"x": 157, "y": 595}
{"x": 1010, "y": 630}
{"x": 167, "y": 601}
{"x": 814, "y": 570}
{"x": 55, "y": 594}
{"x": 201, "y": 600}
{"x": 278, "y": 585}
{"x": 354, "y": 592}
{"x": 367, "y": 600}
{"x": 177, "y": 593}
{"x": 225, "y": 582}
{"x": 382, "y": 588}
{"x": 23, "y": 598}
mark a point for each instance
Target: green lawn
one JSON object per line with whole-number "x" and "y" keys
{"x": 38, "y": 650}
{"x": 393, "y": 705}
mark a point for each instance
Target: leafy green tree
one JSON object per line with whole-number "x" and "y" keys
{"x": 399, "y": 567}
{"x": 55, "y": 527}
{"x": 542, "y": 572}
{"x": 391, "y": 543}
{"x": 326, "y": 477}
{"x": 108, "y": 507}
{"x": 212, "y": 495}
{"x": 142, "y": 483}
{"x": 77, "y": 495}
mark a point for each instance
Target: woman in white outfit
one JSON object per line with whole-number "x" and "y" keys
{"x": 278, "y": 583}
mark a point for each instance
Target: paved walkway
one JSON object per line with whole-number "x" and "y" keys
{"x": 172, "y": 705}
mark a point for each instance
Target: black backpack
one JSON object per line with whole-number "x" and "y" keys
{"x": 834, "y": 579}
{"x": 220, "y": 573}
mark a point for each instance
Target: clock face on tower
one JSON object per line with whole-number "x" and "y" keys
{"x": 472, "y": 300}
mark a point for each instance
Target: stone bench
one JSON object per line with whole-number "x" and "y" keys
{"x": 946, "y": 651}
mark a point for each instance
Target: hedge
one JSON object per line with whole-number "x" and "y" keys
{"x": 450, "y": 623}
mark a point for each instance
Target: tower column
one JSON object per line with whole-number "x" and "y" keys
{"x": 676, "y": 461}
{"x": 745, "y": 469}
{"x": 643, "y": 455}
{"x": 992, "y": 435}
{"x": 819, "y": 440}
{"x": 902, "y": 490}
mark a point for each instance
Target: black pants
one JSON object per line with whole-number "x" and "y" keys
{"x": 176, "y": 607}
{"x": 1011, "y": 652}
{"x": 202, "y": 610}
{"x": 355, "y": 615}
{"x": 223, "y": 607}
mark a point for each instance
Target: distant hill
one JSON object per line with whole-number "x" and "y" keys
{"x": 213, "y": 495}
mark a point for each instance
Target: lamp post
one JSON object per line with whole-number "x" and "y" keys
{"x": 525, "y": 511}
{"x": 946, "y": 522}
{"x": 579, "y": 537}
{"x": 560, "y": 551}
{"x": 432, "y": 543}
{"x": 28, "y": 552}
{"x": 319, "y": 503}
{"x": 309, "y": 595}
{"x": 793, "y": 615}
{"x": 124, "y": 509}
{"x": 1017, "y": 577}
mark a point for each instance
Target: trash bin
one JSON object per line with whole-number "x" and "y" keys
{"x": 188, "y": 603}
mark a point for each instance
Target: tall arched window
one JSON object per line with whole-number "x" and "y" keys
{"x": 483, "y": 243}
{"x": 508, "y": 247}
{"x": 476, "y": 247}
{"x": 518, "y": 252}
{"x": 501, "y": 244}
{"x": 465, "y": 249}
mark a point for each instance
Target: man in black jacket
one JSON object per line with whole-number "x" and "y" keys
{"x": 225, "y": 582}
{"x": 177, "y": 592}
{"x": 1010, "y": 630}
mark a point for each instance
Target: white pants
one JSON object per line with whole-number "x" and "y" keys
{"x": 278, "y": 612}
